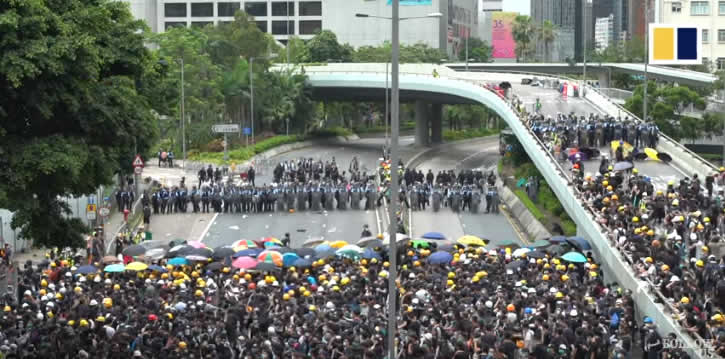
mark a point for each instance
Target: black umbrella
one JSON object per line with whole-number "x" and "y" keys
{"x": 536, "y": 254}
{"x": 215, "y": 266}
{"x": 134, "y": 250}
{"x": 640, "y": 156}
{"x": 283, "y": 250}
{"x": 302, "y": 263}
{"x": 305, "y": 252}
{"x": 222, "y": 252}
{"x": 326, "y": 254}
{"x": 202, "y": 252}
{"x": 590, "y": 152}
{"x": 267, "y": 267}
{"x": 516, "y": 264}
{"x": 557, "y": 250}
{"x": 664, "y": 157}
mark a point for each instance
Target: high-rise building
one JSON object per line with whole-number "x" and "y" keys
{"x": 708, "y": 15}
{"x": 620, "y": 10}
{"x": 561, "y": 13}
{"x": 604, "y": 32}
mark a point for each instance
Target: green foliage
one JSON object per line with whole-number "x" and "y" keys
{"x": 628, "y": 51}
{"x": 478, "y": 51}
{"x": 569, "y": 227}
{"x": 323, "y": 47}
{"x": 298, "y": 51}
{"x": 535, "y": 211}
{"x": 418, "y": 53}
{"x": 404, "y": 126}
{"x": 523, "y": 30}
{"x": 75, "y": 80}
{"x": 450, "y": 136}
{"x": 547, "y": 34}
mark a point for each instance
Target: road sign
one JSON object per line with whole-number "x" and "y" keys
{"x": 91, "y": 216}
{"x": 247, "y": 131}
{"x": 137, "y": 162}
{"x": 91, "y": 208}
{"x": 226, "y": 128}
{"x": 91, "y": 212}
{"x": 138, "y": 170}
{"x": 104, "y": 212}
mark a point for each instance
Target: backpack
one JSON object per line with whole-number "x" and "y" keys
{"x": 614, "y": 320}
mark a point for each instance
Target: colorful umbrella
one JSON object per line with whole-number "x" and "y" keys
{"x": 244, "y": 263}
{"x": 574, "y": 257}
{"x": 440, "y": 257}
{"x": 136, "y": 266}
{"x": 271, "y": 244}
{"x": 197, "y": 244}
{"x": 434, "y": 235}
{"x": 178, "y": 261}
{"x": 338, "y": 244}
{"x": 88, "y": 269}
{"x": 251, "y": 252}
{"x": 114, "y": 268}
{"x": 419, "y": 243}
{"x": 271, "y": 240}
{"x": 469, "y": 240}
{"x": 270, "y": 256}
{"x": 246, "y": 243}
{"x": 288, "y": 259}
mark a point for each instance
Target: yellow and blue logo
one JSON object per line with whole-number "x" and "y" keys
{"x": 675, "y": 45}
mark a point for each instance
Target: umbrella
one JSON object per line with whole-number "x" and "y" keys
{"x": 590, "y": 152}
{"x": 134, "y": 250}
{"x": 338, "y": 244}
{"x": 178, "y": 250}
{"x": 434, "y": 235}
{"x": 244, "y": 244}
{"x": 326, "y": 253}
{"x": 557, "y": 239}
{"x": 520, "y": 252}
{"x": 363, "y": 242}
{"x": 271, "y": 244}
{"x": 221, "y": 252}
{"x": 178, "y": 261}
{"x": 180, "y": 306}
{"x": 418, "y": 243}
{"x": 110, "y": 259}
{"x": 251, "y": 252}
{"x": 536, "y": 254}
{"x": 350, "y": 247}
{"x": 557, "y": 249}
{"x": 136, "y": 266}
{"x": 302, "y": 263}
{"x": 282, "y": 250}
{"x": 440, "y": 257}
{"x": 579, "y": 243}
{"x": 158, "y": 268}
{"x": 271, "y": 240}
{"x": 446, "y": 246}
{"x": 516, "y": 264}
{"x": 370, "y": 254}
{"x": 322, "y": 247}
{"x": 574, "y": 257}
{"x": 114, "y": 268}
{"x": 312, "y": 242}
{"x": 88, "y": 269}
{"x": 541, "y": 243}
{"x": 640, "y": 156}
{"x": 268, "y": 267}
{"x": 582, "y": 157}
{"x": 664, "y": 157}
{"x": 508, "y": 244}
{"x": 270, "y": 256}
{"x": 626, "y": 147}
{"x": 651, "y": 153}
{"x": 197, "y": 244}
{"x": 399, "y": 237}
{"x": 304, "y": 252}
{"x": 244, "y": 263}
{"x": 155, "y": 253}
{"x": 200, "y": 252}
{"x": 521, "y": 182}
{"x": 469, "y": 240}
{"x": 215, "y": 266}
{"x": 197, "y": 258}
{"x": 623, "y": 166}
{"x": 288, "y": 259}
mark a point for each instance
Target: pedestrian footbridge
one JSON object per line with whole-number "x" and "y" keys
{"x": 357, "y": 82}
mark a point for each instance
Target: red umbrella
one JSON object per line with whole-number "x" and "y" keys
{"x": 244, "y": 263}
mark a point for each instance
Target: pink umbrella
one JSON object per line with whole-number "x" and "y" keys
{"x": 244, "y": 263}
{"x": 197, "y": 244}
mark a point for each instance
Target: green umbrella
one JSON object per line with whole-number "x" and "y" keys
{"x": 541, "y": 243}
{"x": 574, "y": 257}
{"x": 420, "y": 244}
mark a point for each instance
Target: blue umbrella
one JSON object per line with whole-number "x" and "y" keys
{"x": 180, "y": 306}
{"x": 88, "y": 269}
{"x": 115, "y": 268}
{"x": 158, "y": 268}
{"x": 323, "y": 248}
{"x": 557, "y": 239}
{"x": 434, "y": 235}
{"x": 288, "y": 259}
{"x": 574, "y": 257}
{"x": 251, "y": 252}
{"x": 580, "y": 243}
{"x": 369, "y": 253}
{"x": 178, "y": 261}
{"x": 302, "y": 263}
{"x": 440, "y": 257}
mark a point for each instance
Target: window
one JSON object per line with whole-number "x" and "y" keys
{"x": 227, "y": 8}
{"x": 721, "y": 36}
{"x": 705, "y": 36}
{"x": 311, "y": 8}
{"x": 200, "y": 24}
{"x": 700, "y": 8}
{"x": 280, "y": 27}
{"x": 256, "y": 8}
{"x": 310, "y": 27}
{"x": 261, "y": 25}
{"x": 676, "y": 6}
{"x": 170, "y": 24}
{"x": 175, "y": 10}
{"x": 721, "y": 8}
{"x": 280, "y": 8}
{"x": 721, "y": 63}
{"x": 202, "y": 9}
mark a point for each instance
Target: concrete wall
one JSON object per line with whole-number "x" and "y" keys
{"x": 533, "y": 227}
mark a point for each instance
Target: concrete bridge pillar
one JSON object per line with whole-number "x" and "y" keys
{"x": 603, "y": 80}
{"x": 422, "y": 136}
{"x": 436, "y": 123}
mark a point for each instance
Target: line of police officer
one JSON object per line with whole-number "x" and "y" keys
{"x": 459, "y": 192}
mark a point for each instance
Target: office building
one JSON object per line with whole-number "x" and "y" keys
{"x": 708, "y": 15}
{"x": 304, "y": 18}
{"x": 561, "y": 13}
{"x": 604, "y": 32}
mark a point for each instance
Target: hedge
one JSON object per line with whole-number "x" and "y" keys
{"x": 449, "y": 135}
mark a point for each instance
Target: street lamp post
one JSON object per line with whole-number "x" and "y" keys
{"x": 251, "y": 88}
{"x": 387, "y": 103}
{"x": 646, "y": 57}
{"x": 183, "y": 116}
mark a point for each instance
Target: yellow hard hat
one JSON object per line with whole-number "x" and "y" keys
{"x": 650, "y": 233}
{"x": 43, "y": 283}
{"x": 706, "y": 220}
{"x": 59, "y": 296}
{"x": 78, "y": 290}
{"x": 164, "y": 276}
{"x": 665, "y": 267}
{"x": 43, "y": 292}
{"x": 345, "y": 281}
{"x": 705, "y": 248}
{"x": 451, "y": 275}
{"x": 718, "y": 317}
{"x": 615, "y": 197}
{"x": 182, "y": 345}
{"x": 635, "y": 171}
{"x": 700, "y": 263}
{"x": 610, "y": 188}
{"x": 285, "y": 296}
{"x": 593, "y": 274}
{"x": 635, "y": 219}
{"x": 545, "y": 277}
{"x": 559, "y": 295}
{"x": 170, "y": 316}
{"x": 101, "y": 319}
{"x": 83, "y": 323}
{"x": 606, "y": 200}
{"x": 605, "y": 183}
{"x": 685, "y": 300}
{"x": 7, "y": 308}
{"x": 637, "y": 231}
{"x": 649, "y": 260}
{"x": 71, "y": 322}
{"x": 449, "y": 282}
{"x": 364, "y": 262}
{"x": 312, "y": 308}
{"x": 564, "y": 278}
{"x": 335, "y": 289}
{"x": 670, "y": 182}
{"x": 386, "y": 264}
{"x": 199, "y": 293}
{"x": 226, "y": 269}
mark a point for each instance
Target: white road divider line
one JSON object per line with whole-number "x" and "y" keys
{"x": 208, "y": 226}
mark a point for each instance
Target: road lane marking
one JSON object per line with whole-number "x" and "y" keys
{"x": 208, "y": 226}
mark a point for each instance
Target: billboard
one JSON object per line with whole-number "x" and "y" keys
{"x": 502, "y": 37}
{"x": 675, "y": 45}
{"x": 412, "y": 2}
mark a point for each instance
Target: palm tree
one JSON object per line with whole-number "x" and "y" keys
{"x": 523, "y": 31}
{"x": 547, "y": 35}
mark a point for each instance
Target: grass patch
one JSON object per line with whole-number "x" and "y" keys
{"x": 530, "y": 205}
{"x": 450, "y": 136}
{"x": 404, "y": 126}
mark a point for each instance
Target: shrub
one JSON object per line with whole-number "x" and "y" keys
{"x": 530, "y": 205}
{"x": 331, "y": 132}
{"x": 449, "y": 135}
{"x": 569, "y": 227}
{"x": 215, "y": 145}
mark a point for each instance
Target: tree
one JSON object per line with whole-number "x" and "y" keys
{"x": 523, "y": 31}
{"x": 478, "y": 51}
{"x": 227, "y": 42}
{"x": 547, "y": 35}
{"x": 666, "y": 106}
{"x": 323, "y": 47}
{"x": 72, "y": 108}
{"x": 298, "y": 51}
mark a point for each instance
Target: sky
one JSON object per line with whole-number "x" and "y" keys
{"x": 523, "y": 7}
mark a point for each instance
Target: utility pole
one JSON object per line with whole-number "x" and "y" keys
{"x": 251, "y": 95}
{"x": 393, "y": 230}
{"x": 584, "y": 22}
{"x": 646, "y": 56}
{"x": 387, "y": 103}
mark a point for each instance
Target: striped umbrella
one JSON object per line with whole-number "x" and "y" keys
{"x": 270, "y": 256}
{"x": 243, "y": 244}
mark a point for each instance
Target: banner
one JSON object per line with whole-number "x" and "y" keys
{"x": 675, "y": 44}
{"x": 412, "y": 2}
{"x": 502, "y": 37}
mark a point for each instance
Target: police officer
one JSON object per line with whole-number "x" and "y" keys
{"x": 205, "y": 199}
{"x": 155, "y": 202}
{"x": 164, "y": 199}
{"x": 170, "y": 159}
{"x": 195, "y": 199}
